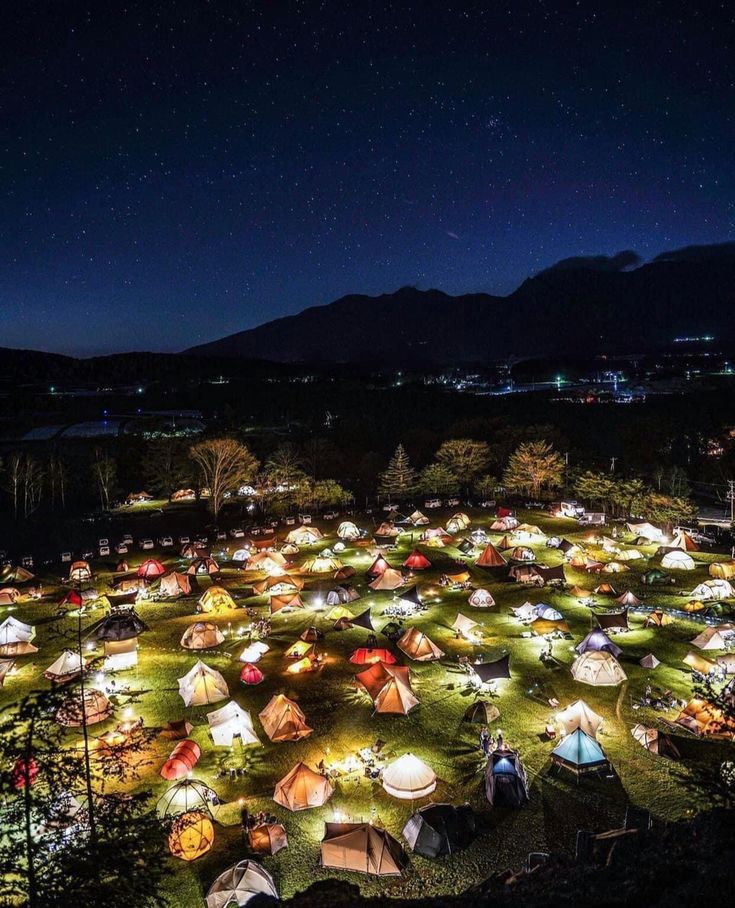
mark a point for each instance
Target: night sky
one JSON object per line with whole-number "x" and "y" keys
{"x": 174, "y": 172}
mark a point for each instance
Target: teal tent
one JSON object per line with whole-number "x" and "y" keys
{"x": 580, "y": 753}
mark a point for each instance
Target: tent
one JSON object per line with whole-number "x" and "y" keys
{"x": 364, "y": 619}
{"x": 580, "y": 715}
{"x": 506, "y": 784}
{"x": 658, "y": 618}
{"x": 481, "y": 598}
{"x": 250, "y": 674}
{"x": 626, "y": 555}
{"x": 684, "y": 542}
{"x": 370, "y": 655}
{"x": 202, "y": 685}
{"x": 464, "y": 626}
{"x": 285, "y": 602}
{"x": 490, "y": 557}
{"x": 185, "y": 796}
{"x": 377, "y": 568}
{"x": 617, "y": 621}
{"x": 646, "y": 531}
{"x": 338, "y": 613}
{"x": 722, "y": 570}
{"x": 704, "y": 718}
{"x": 80, "y": 572}
{"x": 214, "y": 599}
{"x": 615, "y": 567}
{"x": 347, "y": 531}
{"x": 360, "y": 848}
{"x": 202, "y": 635}
{"x": 302, "y": 788}
{"x": 457, "y": 578}
{"x": 417, "y": 561}
{"x": 15, "y": 574}
{"x": 605, "y": 589}
{"x": 678, "y": 561}
{"x": 714, "y": 637}
{"x": 283, "y": 720}
{"x": 525, "y": 612}
{"x": 498, "y": 670}
{"x": 580, "y": 753}
{"x": 410, "y": 598}
{"x": 304, "y": 535}
{"x": 579, "y": 592}
{"x": 409, "y": 778}
{"x": 418, "y": 519}
{"x": 203, "y": 564}
{"x": 543, "y": 626}
{"x": 390, "y": 579}
{"x": 481, "y": 713}
{"x": 322, "y": 564}
{"x": 121, "y": 623}
{"x": 174, "y": 584}
{"x": 15, "y": 638}
{"x": 417, "y": 646}
{"x": 713, "y": 590}
{"x": 298, "y": 649}
{"x": 649, "y": 661}
{"x": 121, "y": 655}
{"x": 267, "y": 838}
{"x": 181, "y": 761}
{"x": 629, "y": 600}
{"x": 387, "y": 530}
{"x": 270, "y": 562}
{"x": 461, "y": 520}
{"x": 545, "y": 611}
{"x": 229, "y": 722}
{"x": 649, "y": 578}
{"x": 440, "y": 829}
{"x": 389, "y": 688}
{"x": 239, "y": 883}
{"x": 151, "y": 569}
{"x": 254, "y": 652}
{"x": 598, "y": 669}
{"x": 87, "y": 709}
{"x": 69, "y": 665}
{"x": 191, "y": 835}
{"x": 598, "y": 641}
{"x": 699, "y": 663}
{"x": 522, "y": 553}
{"x": 655, "y": 741}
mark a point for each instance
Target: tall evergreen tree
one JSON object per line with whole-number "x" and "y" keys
{"x": 399, "y": 479}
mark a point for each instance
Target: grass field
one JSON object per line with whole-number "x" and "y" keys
{"x": 343, "y": 720}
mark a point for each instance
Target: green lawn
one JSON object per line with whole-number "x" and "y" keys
{"x": 343, "y": 721}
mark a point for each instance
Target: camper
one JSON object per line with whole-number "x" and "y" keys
{"x": 570, "y": 509}
{"x": 592, "y": 519}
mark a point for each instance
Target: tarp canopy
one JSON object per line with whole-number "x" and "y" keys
{"x": 613, "y": 620}
{"x": 464, "y": 625}
{"x": 493, "y": 671}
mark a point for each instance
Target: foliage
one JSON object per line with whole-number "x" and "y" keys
{"x": 534, "y": 465}
{"x": 399, "y": 479}
{"x": 438, "y": 479}
{"x": 166, "y": 466}
{"x": 225, "y": 465}
{"x": 465, "y": 458}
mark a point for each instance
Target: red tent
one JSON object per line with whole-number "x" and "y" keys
{"x": 368, "y": 655}
{"x": 378, "y": 567}
{"x": 184, "y": 757}
{"x": 504, "y": 512}
{"x": 490, "y": 558}
{"x": 151, "y": 569}
{"x": 251, "y": 674}
{"x": 417, "y": 562}
{"x": 72, "y": 598}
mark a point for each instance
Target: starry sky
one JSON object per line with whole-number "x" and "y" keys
{"x": 172, "y": 172}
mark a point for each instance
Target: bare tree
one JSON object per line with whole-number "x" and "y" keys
{"x": 225, "y": 465}
{"x": 14, "y": 479}
{"x": 105, "y": 472}
{"x": 33, "y": 477}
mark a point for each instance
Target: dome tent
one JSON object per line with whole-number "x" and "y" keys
{"x": 598, "y": 668}
{"x": 151, "y": 569}
{"x": 440, "y": 829}
{"x": 506, "y": 784}
{"x": 678, "y": 560}
{"x": 267, "y": 838}
{"x": 302, "y": 788}
{"x": 191, "y": 836}
{"x": 348, "y": 531}
{"x": 229, "y": 722}
{"x": 598, "y": 641}
{"x": 87, "y": 709}
{"x": 238, "y": 884}
{"x": 184, "y": 797}
{"x": 214, "y": 599}
{"x": 481, "y": 712}
{"x": 181, "y": 761}
{"x": 202, "y": 635}
{"x": 409, "y": 778}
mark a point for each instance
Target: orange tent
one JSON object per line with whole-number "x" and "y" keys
{"x": 490, "y": 557}
{"x": 389, "y": 688}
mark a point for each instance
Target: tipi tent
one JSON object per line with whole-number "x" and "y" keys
{"x": 202, "y": 685}
{"x": 417, "y": 561}
{"x": 580, "y": 715}
{"x": 649, "y": 661}
{"x": 417, "y": 646}
{"x": 490, "y": 558}
{"x": 69, "y": 665}
{"x": 580, "y": 753}
{"x": 175, "y": 584}
{"x": 15, "y": 638}
{"x": 229, "y": 722}
{"x": 302, "y": 788}
{"x": 389, "y": 688}
{"x": 283, "y": 720}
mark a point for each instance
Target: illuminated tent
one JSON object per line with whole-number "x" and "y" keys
{"x": 498, "y": 670}
{"x": 598, "y": 641}
{"x": 481, "y": 598}
{"x": 479, "y": 536}
{"x": 626, "y": 555}
{"x": 658, "y": 618}
{"x": 580, "y": 715}
{"x": 457, "y": 578}
{"x": 285, "y": 602}
{"x": 417, "y": 646}
{"x": 69, "y": 665}
{"x": 79, "y": 572}
{"x": 542, "y": 610}
{"x": 267, "y": 838}
{"x": 87, "y": 709}
{"x": 615, "y": 567}
{"x": 182, "y": 760}
{"x": 580, "y": 754}
{"x": 151, "y": 569}
{"x": 229, "y": 722}
{"x": 279, "y": 583}
{"x": 579, "y": 592}
{"x": 283, "y": 720}
{"x": 203, "y": 564}
{"x": 629, "y": 600}
{"x": 646, "y": 531}
{"x": 322, "y": 564}
{"x": 699, "y": 663}
{"x": 722, "y": 570}
{"x": 524, "y": 612}
{"x": 506, "y": 784}
{"x": 9, "y": 595}
{"x": 369, "y": 656}
{"x": 360, "y": 848}
{"x": 15, "y": 638}
{"x": 202, "y": 685}
{"x": 250, "y": 674}
{"x": 347, "y": 531}
{"x": 522, "y": 553}
{"x": 16, "y": 574}
{"x": 214, "y": 599}
{"x": 409, "y": 778}
{"x": 311, "y": 634}
{"x": 418, "y": 519}
{"x": 440, "y": 829}
{"x": 298, "y": 649}
{"x": 338, "y": 613}
{"x": 703, "y": 718}
{"x": 416, "y": 561}
{"x": 714, "y": 637}
{"x": 185, "y": 796}
{"x": 202, "y": 635}
{"x": 655, "y": 741}
{"x": 191, "y": 836}
{"x": 713, "y": 590}
{"x": 239, "y": 883}
{"x": 460, "y": 520}
{"x": 390, "y": 579}
{"x": 304, "y": 535}
{"x": 678, "y": 560}
{"x": 605, "y": 589}
{"x": 598, "y": 668}
{"x": 174, "y": 584}
{"x": 543, "y": 626}
{"x": 389, "y": 687}
{"x": 191, "y": 550}
{"x": 684, "y": 542}
{"x": 490, "y": 557}
{"x": 176, "y": 730}
{"x": 377, "y": 568}
{"x": 649, "y": 661}
{"x": 270, "y": 562}
{"x": 290, "y": 548}
{"x": 464, "y": 625}
{"x": 253, "y": 652}
{"x": 481, "y": 713}
{"x": 437, "y": 537}
{"x": 302, "y": 788}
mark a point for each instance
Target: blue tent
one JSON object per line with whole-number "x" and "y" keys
{"x": 580, "y": 753}
{"x": 598, "y": 641}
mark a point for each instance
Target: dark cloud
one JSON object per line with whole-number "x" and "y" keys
{"x": 621, "y": 261}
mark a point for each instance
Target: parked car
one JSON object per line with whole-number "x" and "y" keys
{"x": 165, "y": 542}
{"x": 103, "y": 542}
{"x": 146, "y": 544}
{"x": 184, "y": 540}
{"x": 237, "y": 533}
{"x": 488, "y": 503}
{"x": 697, "y": 535}
{"x": 331, "y": 515}
{"x": 121, "y": 548}
{"x": 65, "y": 557}
{"x": 433, "y": 503}
{"x": 104, "y": 551}
{"x": 305, "y": 518}
{"x": 127, "y": 539}
{"x": 289, "y": 521}
{"x": 221, "y": 535}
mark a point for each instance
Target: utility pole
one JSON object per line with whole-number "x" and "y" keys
{"x": 731, "y": 499}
